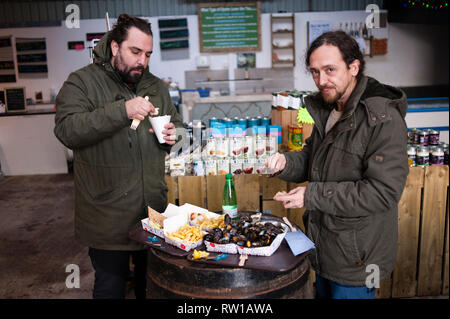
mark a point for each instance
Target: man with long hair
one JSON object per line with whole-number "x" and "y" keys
{"x": 356, "y": 164}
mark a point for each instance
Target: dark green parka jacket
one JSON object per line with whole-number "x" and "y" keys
{"x": 117, "y": 171}
{"x": 356, "y": 176}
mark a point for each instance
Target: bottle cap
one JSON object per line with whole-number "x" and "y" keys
{"x": 229, "y": 176}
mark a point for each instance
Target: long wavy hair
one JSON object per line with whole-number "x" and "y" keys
{"x": 346, "y": 44}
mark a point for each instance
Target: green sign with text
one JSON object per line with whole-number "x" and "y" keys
{"x": 229, "y": 27}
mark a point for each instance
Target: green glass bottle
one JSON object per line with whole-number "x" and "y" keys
{"x": 229, "y": 201}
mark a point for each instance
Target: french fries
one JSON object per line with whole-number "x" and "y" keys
{"x": 204, "y": 222}
{"x": 187, "y": 234}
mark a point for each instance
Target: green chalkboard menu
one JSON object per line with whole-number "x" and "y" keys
{"x": 229, "y": 27}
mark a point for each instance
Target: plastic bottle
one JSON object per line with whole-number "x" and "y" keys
{"x": 229, "y": 201}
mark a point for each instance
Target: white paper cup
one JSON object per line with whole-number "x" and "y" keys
{"x": 158, "y": 123}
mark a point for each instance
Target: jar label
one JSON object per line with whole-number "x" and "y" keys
{"x": 412, "y": 157}
{"x": 423, "y": 160}
{"x": 437, "y": 160}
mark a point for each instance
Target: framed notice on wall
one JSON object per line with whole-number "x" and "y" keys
{"x": 32, "y": 58}
{"x": 7, "y": 66}
{"x": 15, "y": 100}
{"x": 229, "y": 27}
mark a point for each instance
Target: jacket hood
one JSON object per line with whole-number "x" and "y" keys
{"x": 102, "y": 51}
{"x": 377, "y": 89}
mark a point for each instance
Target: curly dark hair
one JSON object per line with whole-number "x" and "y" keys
{"x": 346, "y": 44}
{"x": 119, "y": 33}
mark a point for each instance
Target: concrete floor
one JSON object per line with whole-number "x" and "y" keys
{"x": 37, "y": 239}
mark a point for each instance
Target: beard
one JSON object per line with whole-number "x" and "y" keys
{"x": 331, "y": 98}
{"x": 125, "y": 71}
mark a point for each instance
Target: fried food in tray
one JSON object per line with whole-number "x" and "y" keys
{"x": 187, "y": 234}
{"x": 205, "y": 222}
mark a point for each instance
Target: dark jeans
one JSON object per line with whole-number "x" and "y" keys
{"x": 328, "y": 289}
{"x": 112, "y": 271}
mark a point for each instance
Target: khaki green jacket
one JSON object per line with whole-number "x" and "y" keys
{"x": 117, "y": 171}
{"x": 356, "y": 176}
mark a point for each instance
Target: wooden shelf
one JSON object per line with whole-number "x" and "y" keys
{"x": 283, "y": 32}
{"x": 282, "y": 61}
{"x": 281, "y": 48}
{"x": 280, "y": 26}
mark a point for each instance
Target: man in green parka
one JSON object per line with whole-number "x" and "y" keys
{"x": 117, "y": 170}
{"x": 356, "y": 164}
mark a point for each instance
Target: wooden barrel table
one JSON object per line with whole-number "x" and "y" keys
{"x": 174, "y": 277}
{"x": 172, "y": 273}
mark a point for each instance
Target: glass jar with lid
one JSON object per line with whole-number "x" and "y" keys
{"x": 437, "y": 157}
{"x": 411, "y": 135}
{"x": 430, "y": 150}
{"x": 423, "y": 156}
{"x": 423, "y": 137}
{"x": 433, "y": 137}
{"x": 412, "y": 161}
{"x": 294, "y": 100}
{"x": 416, "y": 136}
{"x": 445, "y": 148}
{"x": 282, "y": 101}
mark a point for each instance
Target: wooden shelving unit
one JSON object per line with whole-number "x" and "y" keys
{"x": 282, "y": 40}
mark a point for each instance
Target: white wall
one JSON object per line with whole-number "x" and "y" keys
{"x": 414, "y": 56}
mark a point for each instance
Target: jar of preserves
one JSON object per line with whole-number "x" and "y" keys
{"x": 423, "y": 137}
{"x": 446, "y": 155}
{"x": 412, "y": 161}
{"x": 294, "y": 100}
{"x": 282, "y": 101}
{"x": 423, "y": 156}
{"x": 274, "y": 100}
{"x": 416, "y": 136}
{"x": 411, "y": 136}
{"x": 433, "y": 137}
{"x": 437, "y": 156}
{"x": 430, "y": 150}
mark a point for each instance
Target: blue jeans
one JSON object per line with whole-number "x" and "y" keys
{"x": 328, "y": 289}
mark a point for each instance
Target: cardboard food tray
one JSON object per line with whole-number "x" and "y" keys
{"x": 140, "y": 235}
{"x": 155, "y": 217}
{"x": 171, "y": 225}
{"x": 265, "y": 251}
{"x": 156, "y": 231}
{"x": 221, "y": 248}
{"x": 282, "y": 260}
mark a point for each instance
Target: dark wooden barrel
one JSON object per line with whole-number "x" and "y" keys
{"x": 174, "y": 277}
